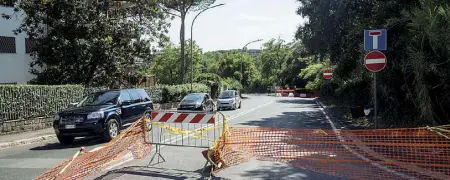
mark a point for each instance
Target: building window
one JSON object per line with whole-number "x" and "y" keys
{"x": 29, "y": 45}
{"x": 7, "y": 3}
{"x": 7, "y": 44}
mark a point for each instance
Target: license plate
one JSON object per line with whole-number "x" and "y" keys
{"x": 70, "y": 126}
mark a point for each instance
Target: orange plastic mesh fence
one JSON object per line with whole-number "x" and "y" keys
{"x": 130, "y": 144}
{"x": 419, "y": 153}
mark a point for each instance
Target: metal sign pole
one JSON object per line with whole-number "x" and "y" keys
{"x": 375, "y": 98}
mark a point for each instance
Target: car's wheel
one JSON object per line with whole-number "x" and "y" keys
{"x": 148, "y": 115}
{"x": 234, "y": 106}
{"x": 112, "y": 130}
{"x": 65, "y": 139}
{"x": 240, "y": 105}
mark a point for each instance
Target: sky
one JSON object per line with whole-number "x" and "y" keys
{"x": 240, "y": 21}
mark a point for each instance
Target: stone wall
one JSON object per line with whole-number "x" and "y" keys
{"x": 18, "y": 126}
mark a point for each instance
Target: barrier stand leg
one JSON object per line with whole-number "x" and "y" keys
{"x": 157, "y": 153}
{"x": 204, "y": 167}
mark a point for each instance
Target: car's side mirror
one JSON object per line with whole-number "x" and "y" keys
{"x": 125, "y": 103}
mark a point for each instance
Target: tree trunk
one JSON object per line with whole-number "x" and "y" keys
{"x": 91, "y": 72}
{"x": 182, "y": 57}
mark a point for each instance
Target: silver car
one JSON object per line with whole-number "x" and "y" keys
{"x": 229, "y": 99}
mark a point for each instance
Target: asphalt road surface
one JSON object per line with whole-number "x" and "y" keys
{"x": 258, "y": 111}
{"x": 27, "y": 162}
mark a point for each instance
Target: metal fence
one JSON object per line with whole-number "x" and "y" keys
{"x": 184, "y": 128}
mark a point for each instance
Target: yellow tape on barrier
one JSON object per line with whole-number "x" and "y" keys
{"x": 190, "y": 133}
{"x": 193, "y": 133}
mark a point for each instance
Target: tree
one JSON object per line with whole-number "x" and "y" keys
{"x": 413, "y": 89}
{"x": 211, "y": 60}
{"x": 95, "y": 43}
{"x": 230, "y": 65}
{"x": 180, "y": 8}
{"x": 279, "y": 63}
{"x": 163, "y": 65}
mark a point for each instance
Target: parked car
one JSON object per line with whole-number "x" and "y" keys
{"x": 197, "y": 101}
{"x": 102, "y": 113}
{"x": 229, "y": 99}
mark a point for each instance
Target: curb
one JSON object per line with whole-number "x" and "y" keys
{"x": 320, "y": 103}
{"x": 324, "y": 108}
{"x": 26, "y": 141}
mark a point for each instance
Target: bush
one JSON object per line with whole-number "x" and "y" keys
{"x": 173, "y": 93}
{"x": 355, "y": 92}
{"x": 232, "y": 84}
{"x": 155, "y": 93}
{"x": 30, "y": 101}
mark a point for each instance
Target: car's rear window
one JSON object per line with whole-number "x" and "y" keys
{"x": 226, "y": 94}
{"x": 193, "y": 97}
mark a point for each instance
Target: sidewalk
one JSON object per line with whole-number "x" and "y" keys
{"x": 11, "y": 140}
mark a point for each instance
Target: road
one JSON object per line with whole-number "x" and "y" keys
{"x": 27, "y": 162}
{"x": 258, "y": 111}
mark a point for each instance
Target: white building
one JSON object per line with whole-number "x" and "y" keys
{"x": 14, "y": 50}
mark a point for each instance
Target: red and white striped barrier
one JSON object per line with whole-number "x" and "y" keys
{"x": 184, "y": 129}
{"x": 175, "y": 117}
{"x": 292, "y": 93}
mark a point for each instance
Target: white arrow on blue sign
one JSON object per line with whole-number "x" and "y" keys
{"x": 375, "y": 40}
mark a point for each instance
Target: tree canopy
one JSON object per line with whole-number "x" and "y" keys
{"x": 98, "y": 43}
{"x": 180, "y": 8}
{"x": 94, "y": 43}
{"x": 414, "y": 88}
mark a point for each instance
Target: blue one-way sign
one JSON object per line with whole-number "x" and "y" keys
{"x": 375, "y": 39}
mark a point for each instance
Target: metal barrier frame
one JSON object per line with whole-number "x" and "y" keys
{"x": 174, "y": 141}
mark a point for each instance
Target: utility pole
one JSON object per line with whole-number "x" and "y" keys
{"x": 192, "y": 48}
{"x": 244, "y": 49}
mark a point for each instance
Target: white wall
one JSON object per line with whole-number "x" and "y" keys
{"x": 14, "y": 67}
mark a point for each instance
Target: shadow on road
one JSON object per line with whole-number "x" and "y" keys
{"x": 302, "y": 119}
{"x": 143, "y": 172}
{"x": 283, "y": 171}
{"x": 88, "y": 141}
{"x": 309, "y": 101}
{"x": 297, "y": 113}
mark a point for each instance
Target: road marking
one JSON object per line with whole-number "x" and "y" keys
{"x": 337, "y": 132}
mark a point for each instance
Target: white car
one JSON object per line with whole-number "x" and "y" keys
{"x": 229, "y": 99}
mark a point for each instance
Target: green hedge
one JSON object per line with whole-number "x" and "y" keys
{"x": 29, "y": 101}
{"x": 25, "y": 101}
{"x": 173, "y": 93}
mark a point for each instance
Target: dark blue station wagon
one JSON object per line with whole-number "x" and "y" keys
{"x": 102, "y": 113}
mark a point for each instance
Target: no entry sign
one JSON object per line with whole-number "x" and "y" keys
{"x": 375, "y": 61}
{"x": 327, "y": 74}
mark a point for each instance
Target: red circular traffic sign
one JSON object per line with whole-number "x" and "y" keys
{"x": 328, "y": 74}
{"x": 375, "y": 61}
